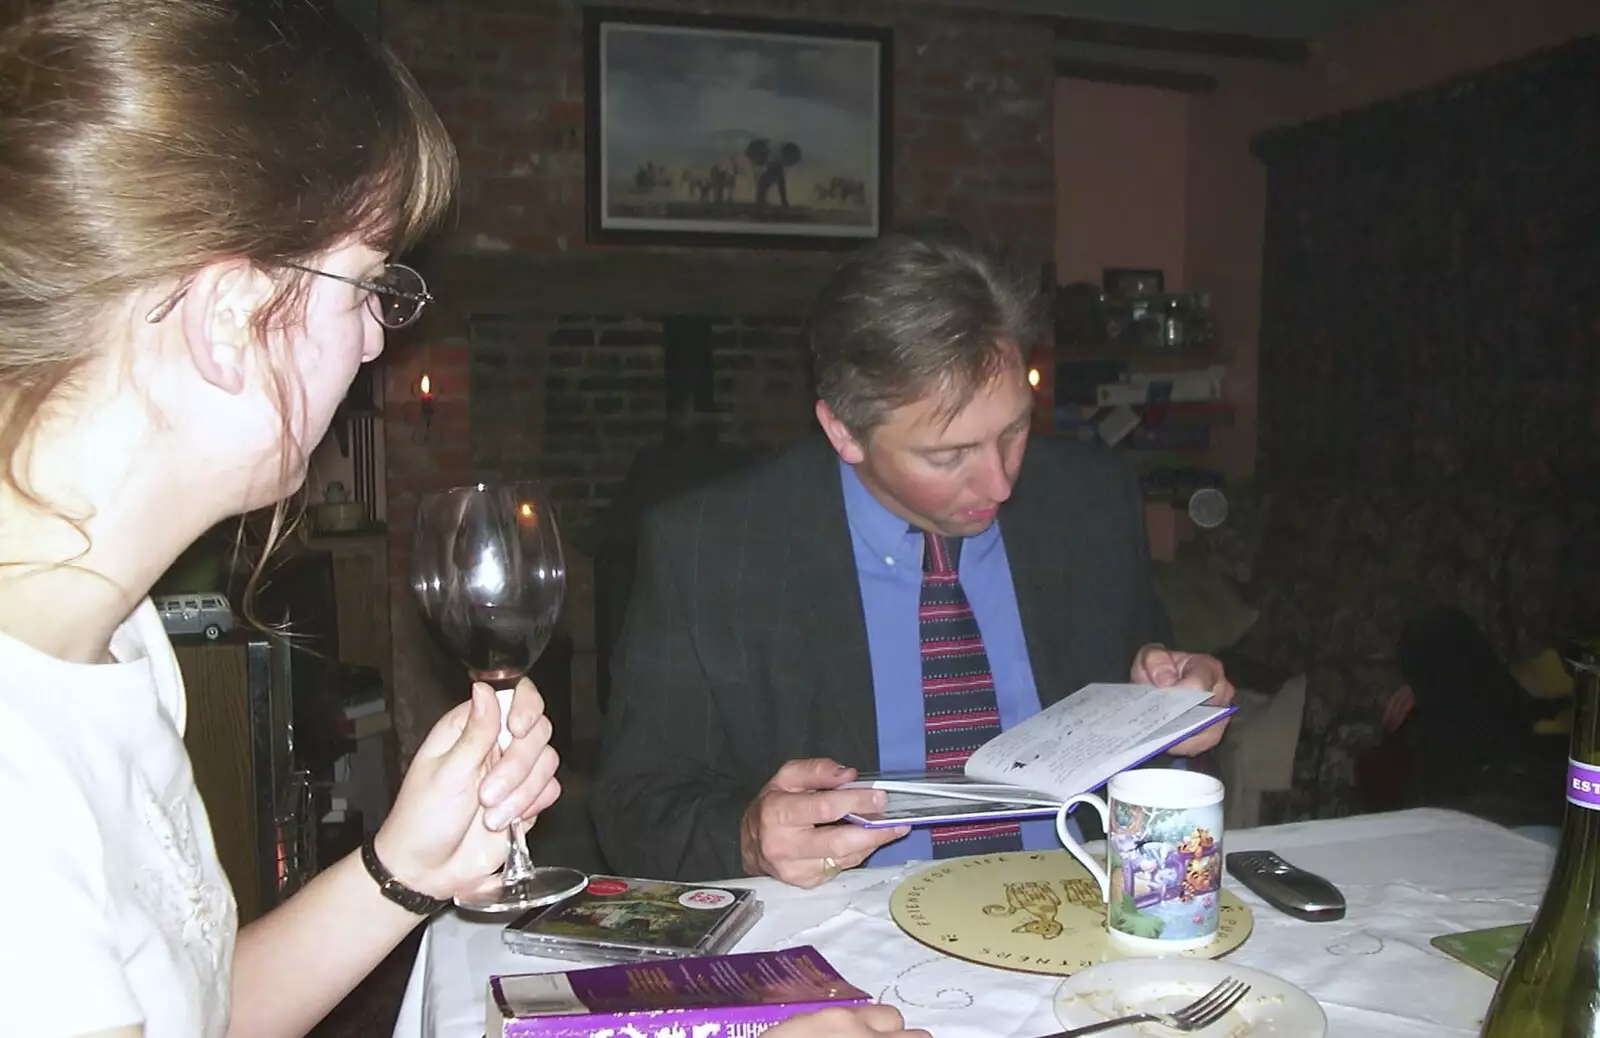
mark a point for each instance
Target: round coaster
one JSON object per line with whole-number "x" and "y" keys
{"x": 1036, "y": 911}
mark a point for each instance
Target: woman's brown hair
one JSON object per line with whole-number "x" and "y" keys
{"x": 143, "y": 139}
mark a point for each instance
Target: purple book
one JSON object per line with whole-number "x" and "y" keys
{"x": 719, "y": 996}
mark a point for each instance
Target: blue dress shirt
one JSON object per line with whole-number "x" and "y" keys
{"x": 888, "y": 556}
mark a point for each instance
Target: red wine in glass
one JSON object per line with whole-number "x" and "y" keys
{"x": 489, "y": 578}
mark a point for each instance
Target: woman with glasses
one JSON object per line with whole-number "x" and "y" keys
{"x": 199, "y": 200}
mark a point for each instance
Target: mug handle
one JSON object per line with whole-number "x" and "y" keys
{"x": 1076, "y": 849}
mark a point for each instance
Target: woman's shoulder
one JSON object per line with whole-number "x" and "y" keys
{"x": 142, "y": 636}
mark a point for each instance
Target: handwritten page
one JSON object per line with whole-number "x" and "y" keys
{"x": 1067, "y": 749}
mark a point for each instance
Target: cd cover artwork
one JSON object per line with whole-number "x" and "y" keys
{"x": 619, "y": 919}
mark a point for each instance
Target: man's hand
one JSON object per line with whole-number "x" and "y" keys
{"x": 791, "y": 829}
{"x": 1165, "y": 668}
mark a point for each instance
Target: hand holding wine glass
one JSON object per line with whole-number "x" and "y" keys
{"x": 489, "y": 578}
{"x": 444, "y": 832}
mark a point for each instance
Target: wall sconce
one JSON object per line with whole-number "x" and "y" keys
{"x": 1040, "y": 363}
{"x": 419, "y": 413}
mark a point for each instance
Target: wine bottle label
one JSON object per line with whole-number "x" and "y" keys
{"x": 1583, "y": 785}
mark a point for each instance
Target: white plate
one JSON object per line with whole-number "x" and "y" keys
{"x": 1112, "y": 989}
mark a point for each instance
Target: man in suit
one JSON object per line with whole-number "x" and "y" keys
{"x": 886, "y": 598}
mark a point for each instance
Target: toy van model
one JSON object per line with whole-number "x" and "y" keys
{"x": 206, "y": 613}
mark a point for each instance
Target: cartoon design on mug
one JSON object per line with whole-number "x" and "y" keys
{"x": 1164, "y": 862}
{"x": 1036, "y": 900}
{"x": 1198, "y": 844}
{"x": 1197, "y": 878}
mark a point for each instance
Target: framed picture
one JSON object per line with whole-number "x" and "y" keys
{"x": 706, "y": 130}
{"x": 1131, "y": 282}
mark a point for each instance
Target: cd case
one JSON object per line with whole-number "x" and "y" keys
{"x": 617, "y": 919}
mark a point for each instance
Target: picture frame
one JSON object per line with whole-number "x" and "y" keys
{"x": 712, "y": 130}
{"x": 1132, "y": 282}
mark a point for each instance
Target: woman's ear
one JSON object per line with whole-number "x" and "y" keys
{"x": 216, "y": 314}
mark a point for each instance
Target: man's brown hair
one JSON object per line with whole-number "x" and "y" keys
{"x": 924, "y": 310}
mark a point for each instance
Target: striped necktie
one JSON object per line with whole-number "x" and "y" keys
{"x": 959, "y": 710}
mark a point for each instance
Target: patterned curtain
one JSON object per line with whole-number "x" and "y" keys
{"x": 1431, "y": 295}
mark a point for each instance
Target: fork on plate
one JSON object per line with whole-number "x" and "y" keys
{"x": 1202, "y": 1012}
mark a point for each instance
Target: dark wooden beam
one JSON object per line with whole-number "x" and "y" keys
{"x": 1182, "y": 41}
{"x": 1135, "y": 75}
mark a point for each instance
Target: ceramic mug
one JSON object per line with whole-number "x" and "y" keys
{"x": 1163, "y": 873}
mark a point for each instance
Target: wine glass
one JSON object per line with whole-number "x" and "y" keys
{"x": 488, "y": 575}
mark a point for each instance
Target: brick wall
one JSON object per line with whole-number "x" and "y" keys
{"x": 571, "y": 401}
{"x": 528, "y": 378}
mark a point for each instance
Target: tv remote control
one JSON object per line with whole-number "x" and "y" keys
{"x": 1288, "y": 888}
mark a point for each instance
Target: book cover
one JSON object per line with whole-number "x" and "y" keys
{"x": 619, "y": 919}
{"x": 721, "y": 996}
{"x": 1028, "y": 770}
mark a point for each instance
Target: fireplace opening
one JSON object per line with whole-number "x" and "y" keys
{"x": 690, "y": 454}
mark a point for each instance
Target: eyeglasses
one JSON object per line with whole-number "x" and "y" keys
{"x": 398, "y": 294}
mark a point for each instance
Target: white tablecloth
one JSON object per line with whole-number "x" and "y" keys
{"x": 1407, "y": 877}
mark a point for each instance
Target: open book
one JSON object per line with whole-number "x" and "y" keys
{"x": 1032, "y": 767}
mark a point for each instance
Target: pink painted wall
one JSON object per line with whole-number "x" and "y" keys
{"x": 1121, "y": 180}
{"x": 1223, "y": 235}
{"x": 1162, "y": 179}
{"x": 1426, "y": 42}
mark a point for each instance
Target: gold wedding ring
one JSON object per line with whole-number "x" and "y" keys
{"x": 829, "y": 865}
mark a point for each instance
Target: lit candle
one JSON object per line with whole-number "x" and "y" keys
{"x": 425, "y": 387}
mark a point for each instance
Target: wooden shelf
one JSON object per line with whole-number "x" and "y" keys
{"x": 1216, "y": 414}
{"x": 361, "y": 602}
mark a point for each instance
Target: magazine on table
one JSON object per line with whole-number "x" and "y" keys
{"x": 1030, "y": 769}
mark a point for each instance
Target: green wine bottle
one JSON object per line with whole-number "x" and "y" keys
{"x": 1551, "y": 988}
